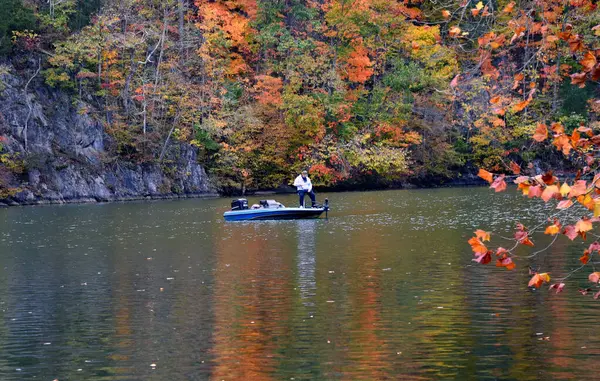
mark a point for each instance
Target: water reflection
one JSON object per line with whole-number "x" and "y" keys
{"x": 250, "y": 303}
{"x": 307, "y": 260}
{"x": 384, "y": 289}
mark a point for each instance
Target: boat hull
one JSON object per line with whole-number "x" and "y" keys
{"x": 273, "y": 214}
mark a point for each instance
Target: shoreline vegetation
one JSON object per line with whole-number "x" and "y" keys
{"x": 107, "y": 99}
{"x": 254, "y": 193}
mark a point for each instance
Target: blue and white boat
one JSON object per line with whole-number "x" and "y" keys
{"x": 271, "y": 210}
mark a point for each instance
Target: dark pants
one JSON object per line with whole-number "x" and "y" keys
{"x": 310, "y": 194}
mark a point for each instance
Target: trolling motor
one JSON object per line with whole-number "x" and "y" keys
{"x": 326, "y": 207}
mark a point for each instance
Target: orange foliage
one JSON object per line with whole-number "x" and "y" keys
{"x": 538, "y": 279}
{"x": 487, "y": 176}
{"x": 268, "y": 90}
{"x": 359, "y": 65}
{"x": 541, "y": 132}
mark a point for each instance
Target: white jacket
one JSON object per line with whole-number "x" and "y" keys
{"x": 303, "y": 184}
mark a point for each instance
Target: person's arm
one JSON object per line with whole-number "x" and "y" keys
{"x": 309, "y": 185}
{"x": 298, "y": 182}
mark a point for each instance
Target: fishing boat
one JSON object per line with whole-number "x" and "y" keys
{"x": 271, "y": 210}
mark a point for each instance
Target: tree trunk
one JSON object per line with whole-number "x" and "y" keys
{"x": 181, "y": 16}
{"x": 125, "y": 93}
{"x": 29, "y": 105}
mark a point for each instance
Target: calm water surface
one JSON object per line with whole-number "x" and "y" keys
{"x": 383, "y": 290}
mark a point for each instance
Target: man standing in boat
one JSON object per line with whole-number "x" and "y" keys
{"x": 304, "y": 186}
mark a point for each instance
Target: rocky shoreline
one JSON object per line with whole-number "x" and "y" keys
{"x": 89, "y": 200}
{"x": 59, "y": 153}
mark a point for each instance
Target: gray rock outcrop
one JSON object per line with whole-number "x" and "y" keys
{"x": 63, "y": 149}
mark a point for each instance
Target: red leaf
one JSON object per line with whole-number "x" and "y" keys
{"x": 594, "y": 247}
{"x": 499, "y": 184}
{"x": 484, "y": 259}
{"x": 521, "y": 179}
{"x": 578, "y": 79}
{"x": 570, "y": 232}
{"x": 564, "y": 204}
{"x": 506, "y": 262}
{"x": 522, "y": 236}
{"x": 578, "y": 189}
{"x": 584, "y": 291}
{"x": 548, "y": 178}
{"x": 535, "y": 191}
{"x": 594, "y": 277}
{"x": 558, "y": 286}
{"x": 584, "y": 259}
{"x": 515, "y": 168}
{"x": 583, "y": 225}
{"x": 549, "y": 192}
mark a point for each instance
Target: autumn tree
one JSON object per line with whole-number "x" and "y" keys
{"x": 358, "y": 91}
{"x": 527, "y": 64}
{"x": 14, "y": 16}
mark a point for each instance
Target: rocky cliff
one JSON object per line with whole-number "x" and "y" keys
{"x": 59, "y": 148}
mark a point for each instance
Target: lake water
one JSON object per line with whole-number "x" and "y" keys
{"x": 383, "y": 290}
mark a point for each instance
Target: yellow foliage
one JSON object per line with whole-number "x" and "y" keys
{"x": 440, "y": 61}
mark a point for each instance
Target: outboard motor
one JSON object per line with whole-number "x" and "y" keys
{"x": 239, "y": 204}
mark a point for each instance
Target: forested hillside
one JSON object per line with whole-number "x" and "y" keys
{"x": 357, "y": 91}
